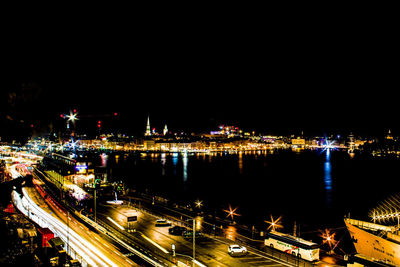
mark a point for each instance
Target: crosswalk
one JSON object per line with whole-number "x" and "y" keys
{"x": 255, "y": 260}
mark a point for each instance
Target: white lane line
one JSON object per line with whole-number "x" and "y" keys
{"x": 155, "y": 244}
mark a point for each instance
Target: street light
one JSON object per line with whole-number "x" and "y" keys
{"x": 71, "y": 117}
{"x": 231, "y": 212}
{"x": 274, "y": 223}
{"x": 198, "y": 203}
{"x": 329, "y": 238}
{"x": 194, "y": 239}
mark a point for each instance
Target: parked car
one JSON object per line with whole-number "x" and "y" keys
{"x": 236, "y": 250}
{"x": 177, "y": 230}
{"x": 163, "y": 222}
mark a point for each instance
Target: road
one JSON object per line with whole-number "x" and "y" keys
{"x": 91, "y": 247}
{"x": 80, "y": 242}
{"x": 209, "y": 251}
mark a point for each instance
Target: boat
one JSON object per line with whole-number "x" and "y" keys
{"x": 376, "y": 242}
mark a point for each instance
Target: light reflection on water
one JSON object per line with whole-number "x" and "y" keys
{"x": 241, "y": 162}
{"x": 104, "y": 158}
{"x": 328, "y": 178}
{"x": 303, "y": 182}
{"x": 163, "y": 161}
{"x": 185, "y": 164}
{"x": 175, "y": 161}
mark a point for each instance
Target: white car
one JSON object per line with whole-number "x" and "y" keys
{"x": 236, "y": 250}
{"x": 163, "y": 222}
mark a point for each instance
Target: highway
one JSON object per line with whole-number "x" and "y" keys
{"x": 88, "y": 247}
{"x": 209, "y": 251}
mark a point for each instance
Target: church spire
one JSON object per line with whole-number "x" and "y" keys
{"x": 165, "y": 131}
{"x": 148, "y": 132}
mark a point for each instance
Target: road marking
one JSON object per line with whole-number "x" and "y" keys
{"x": 271, "y": 265}
{"x": 155, "y": 244}
{"x": 249, "y": 256}
{"x": 114, "y": 222}
{"x": 253, "y": 260}
{"x": 199, "y": 263}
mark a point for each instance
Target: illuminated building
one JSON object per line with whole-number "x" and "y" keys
{"x": 389, "y": 136}
{"x": 148, "y": 144}
{"x": 298, "y": 141}
{"x": 148, "y": 131}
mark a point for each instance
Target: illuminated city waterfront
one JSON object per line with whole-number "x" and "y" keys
{"x": 221, "y": 143}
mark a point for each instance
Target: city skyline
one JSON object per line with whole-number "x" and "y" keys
{"x": 38, "y": 109}
{"x": 318, "y": 79}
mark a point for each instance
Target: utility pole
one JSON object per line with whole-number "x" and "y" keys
{"x": 95, "y": 203}
{"x": 294, "y": 229}
{"x": 194, "y": 241}
{"x": 69, "y": 251}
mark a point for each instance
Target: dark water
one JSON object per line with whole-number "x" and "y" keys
{"x": 314, "y": 188}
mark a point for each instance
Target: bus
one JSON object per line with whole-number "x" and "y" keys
{"x": 296, "y": 246}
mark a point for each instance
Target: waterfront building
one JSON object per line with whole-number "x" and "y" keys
{"x": 298, "y": 141}
{"x": 149, "y": 144}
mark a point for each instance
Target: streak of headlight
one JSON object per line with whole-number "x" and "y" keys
{"x": 114, "y": 222}
{"x": 155, "y": 244}
{"x": 80, "y": 245}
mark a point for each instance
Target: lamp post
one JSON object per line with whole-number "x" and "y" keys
{"x": 194, "y": 239}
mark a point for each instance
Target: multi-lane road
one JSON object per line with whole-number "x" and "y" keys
{"x": 209, "y": 251}
{"x": 82, "y": 243}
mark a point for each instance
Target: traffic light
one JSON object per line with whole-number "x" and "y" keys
{"x": 97, "y": 183}
{"x": 99, "y": 124}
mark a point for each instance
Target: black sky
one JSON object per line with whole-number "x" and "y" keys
{"x": 264, "y": 74}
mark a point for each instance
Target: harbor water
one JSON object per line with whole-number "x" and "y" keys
{"x": 314, "y": 188}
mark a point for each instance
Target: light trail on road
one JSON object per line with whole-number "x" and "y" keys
{"x": 90, "y": 254}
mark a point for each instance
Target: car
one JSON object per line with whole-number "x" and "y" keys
{"x": 177, "y": 230}
{"x": 163, "y": 222}
{"x": 237, "y": 250}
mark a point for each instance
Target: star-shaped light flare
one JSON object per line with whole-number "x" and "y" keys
{"x": 274, "y": 223}
{"x": 198, "y": 203}
{"x": 72, "y": 117}
{"x": 231, "y": 212}
{"x": 328, "y": 237}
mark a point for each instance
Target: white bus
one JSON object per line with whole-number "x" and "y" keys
{"x": 293, "y": 245}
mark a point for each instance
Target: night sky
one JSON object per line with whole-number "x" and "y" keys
{"x": 270, "y": 77}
